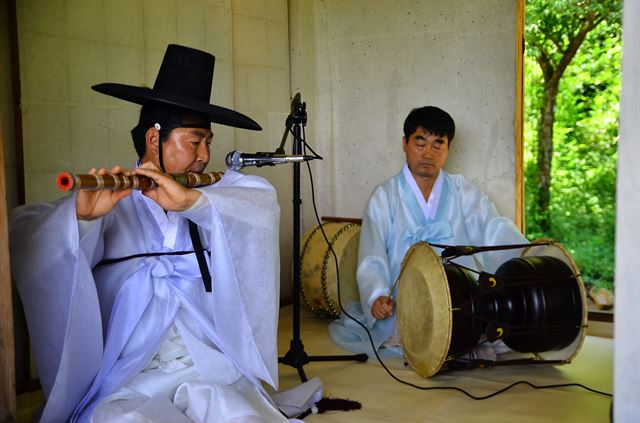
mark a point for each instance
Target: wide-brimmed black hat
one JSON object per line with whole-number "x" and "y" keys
{"x": 184, "y": 81}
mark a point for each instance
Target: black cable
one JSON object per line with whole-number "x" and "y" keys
{"x": 107, "y": 262}
{"x": 305, "y": 145}
{"x": 413, "y": 385}
{"x": 202, "y": 261}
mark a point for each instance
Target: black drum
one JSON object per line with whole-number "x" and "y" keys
{"x": 535, "y": 304}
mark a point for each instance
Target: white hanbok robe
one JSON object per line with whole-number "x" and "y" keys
{"x": 396, "y": 218}
{"x": 93, "y": 329}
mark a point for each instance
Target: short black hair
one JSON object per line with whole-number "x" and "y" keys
{"x": 432, "y": 119}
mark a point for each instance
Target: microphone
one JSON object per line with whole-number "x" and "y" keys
{"x": 296, "y": 102}
{"x": 297, "y": 114}
{"x": 236, "y": 160}
{"x": 459, "y": 250}
{"x": 467, "y": 250}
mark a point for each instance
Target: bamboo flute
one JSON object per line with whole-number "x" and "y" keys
{"x": 68, "y": 181}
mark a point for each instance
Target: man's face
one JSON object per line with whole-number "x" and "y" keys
{"x": 426, "y": 153}
{"x": 187, "y": 150}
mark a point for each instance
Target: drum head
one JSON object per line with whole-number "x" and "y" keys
{"x": 424, "y": 310}
{"x": 555, "y": 249}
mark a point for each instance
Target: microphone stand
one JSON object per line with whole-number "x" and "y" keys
{"x": 296, "y": 356}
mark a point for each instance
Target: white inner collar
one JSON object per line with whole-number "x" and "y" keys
{"x": 428, "y": 207}
{"x": 167, "y": 222}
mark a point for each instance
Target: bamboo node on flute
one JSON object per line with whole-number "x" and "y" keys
{"x": 67, "y": 181}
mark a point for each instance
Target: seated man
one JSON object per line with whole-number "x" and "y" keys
{"x": 421, "y": 203}
{"x": 160, "y": 305}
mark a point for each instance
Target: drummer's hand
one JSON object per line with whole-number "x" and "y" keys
{"x": 168, "y": 193}
{"x": 91, "y": 204}
{"x": 382, "y": 307}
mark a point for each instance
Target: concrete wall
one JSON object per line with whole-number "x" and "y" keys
{"x": 261, "y": 89}
{"x": 363, "y": 65}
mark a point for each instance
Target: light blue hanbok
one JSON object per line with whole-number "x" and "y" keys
{"x": 397, "y": 216}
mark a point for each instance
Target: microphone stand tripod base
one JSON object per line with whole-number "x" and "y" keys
{"x": 296, "y": 357}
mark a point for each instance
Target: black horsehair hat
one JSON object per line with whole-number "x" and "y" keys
{"x": 184, "y": 81}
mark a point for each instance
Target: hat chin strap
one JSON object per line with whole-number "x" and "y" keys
{"x": 160, "y": 147}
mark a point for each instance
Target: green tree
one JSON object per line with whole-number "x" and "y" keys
{"x": 555, "y": 30}
{"x": 572, "y": 198}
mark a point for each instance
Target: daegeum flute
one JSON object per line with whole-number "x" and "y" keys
{"x": 67, "y": 181}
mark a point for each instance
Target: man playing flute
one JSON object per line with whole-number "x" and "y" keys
{"x": 157, "y": 305}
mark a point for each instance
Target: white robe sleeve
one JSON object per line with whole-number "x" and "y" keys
{"x": 245, "y": 266}
{"x": 373, "y": 273}
{"x": 54, "y": 279}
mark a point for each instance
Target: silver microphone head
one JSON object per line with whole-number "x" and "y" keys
{"x": 234, "y": 160}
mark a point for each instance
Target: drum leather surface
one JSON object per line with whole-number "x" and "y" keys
{"x": 424, "y": 316}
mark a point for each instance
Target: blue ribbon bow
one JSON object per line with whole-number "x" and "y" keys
{"x": 431, "y": 232}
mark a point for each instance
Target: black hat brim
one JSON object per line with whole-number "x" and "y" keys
{"x": 143, "y": 96}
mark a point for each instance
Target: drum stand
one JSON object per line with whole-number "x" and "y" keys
{"x": 296, "y": 356}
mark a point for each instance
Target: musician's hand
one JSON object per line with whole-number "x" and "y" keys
{"x": 382, "y": 307}
{"x": 93, "y": 204}
{"x": 168, "y": 193}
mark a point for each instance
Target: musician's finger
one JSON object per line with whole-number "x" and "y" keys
{"x": 120, "y": 194}
{"x": 147, "y": 172}
{"x": 156, "y": 176}
{"x": 149, "y": 165}
{"x": 377, "y": 314}
{"x": 120, "y": 170}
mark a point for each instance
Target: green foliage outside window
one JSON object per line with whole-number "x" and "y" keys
{"x": 581, "y": 208}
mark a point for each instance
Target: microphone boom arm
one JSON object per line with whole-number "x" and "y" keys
{"x": 298, "y": 114}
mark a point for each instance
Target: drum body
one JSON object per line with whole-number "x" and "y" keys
{"x": 535, "y": 304}
{"x": 318, "y": 277}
